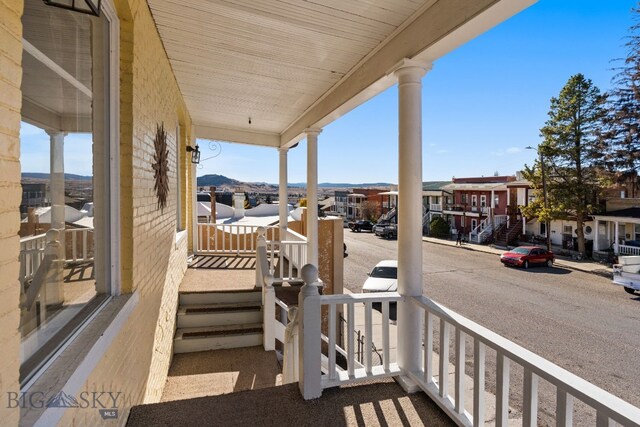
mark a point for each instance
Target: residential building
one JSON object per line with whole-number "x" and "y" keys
{"x": 479, "y": 205}
{"x": 617, "y": 229}
{"x": 34, "y": 195}
{"x": 341, "y": 203}
{"x": 142, "y": 81}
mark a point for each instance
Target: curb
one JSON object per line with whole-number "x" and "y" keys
{"x": 605, "y": 274}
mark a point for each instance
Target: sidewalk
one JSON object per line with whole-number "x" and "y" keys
{"x": 586, "y": 266}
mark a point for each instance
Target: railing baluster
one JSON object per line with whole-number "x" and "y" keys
{"x": 530, "y": 396}
{"x": 368, "y": 307}
{"x": 350, "y": 339}
{"x": 602, "y": 419}
{"x": 385, "y": 335}
{"x": 238, "y": 238}
{"x": 281, "y": 258}
{"x": 289, "y": 252}
{"x": 564, "y": 408}
{"x": 332, "y": 341}
{"x": 502, "y": 390}
{"x": 428, "y": 347}
{"x": 85, "y": 249}
{"x": 74, "y": 245}
{"x": 460, "y": 377}
{"x": 478, "y": 383}
{"x": 443, "y": 379}
{"x": 208, "y": 228}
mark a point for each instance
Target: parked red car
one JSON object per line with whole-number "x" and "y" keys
{"x": 528, "y": 256}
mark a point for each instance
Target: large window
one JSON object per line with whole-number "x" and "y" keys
{"x": 68, "y": 174}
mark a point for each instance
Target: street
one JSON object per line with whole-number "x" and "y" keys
{"x": 577, "y": 320}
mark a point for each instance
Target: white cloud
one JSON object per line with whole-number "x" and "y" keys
{"x": 513, "y": 150}
{"x": 442, "y": 151}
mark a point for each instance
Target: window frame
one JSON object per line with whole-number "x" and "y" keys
{"x": 112, "y": 285}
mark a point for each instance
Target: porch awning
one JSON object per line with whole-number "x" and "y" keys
{"x": 262, "y": 72}
{"x": 623, "y": 215}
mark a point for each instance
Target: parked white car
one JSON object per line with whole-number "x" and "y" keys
{"x": 383, "y": 277}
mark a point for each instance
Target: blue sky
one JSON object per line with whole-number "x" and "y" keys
{"x": 482, "y": 104}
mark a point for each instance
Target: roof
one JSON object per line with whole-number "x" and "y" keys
{"x": 520, "y": 183}
{"x": 434, "y": 185}
{"x": 622, "y": 213}
{"x": 488, "y": 186}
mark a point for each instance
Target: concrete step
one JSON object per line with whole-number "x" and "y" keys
{"x": 215, "y": 297}
{"x": 189, "y": 340}
{"x": 203, "y": 315}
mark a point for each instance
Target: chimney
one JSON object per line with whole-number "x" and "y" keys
{"x": 212, "y": 191}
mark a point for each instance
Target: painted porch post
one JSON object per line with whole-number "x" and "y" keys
{"x": 312, "y": 195}
{"x": 283, "y": 197}
{"x": 596, "y": 224}
{"x": 616, "y": 237}
{"x": 409, "y": 74}
{"x": 57, "y": 180}
{"x": 55, "y": 292}
{"x": 310, "y": 334}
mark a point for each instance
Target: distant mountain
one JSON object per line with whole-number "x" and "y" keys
{"x": 67, "y": 176}
{"x": 216, "y": 181}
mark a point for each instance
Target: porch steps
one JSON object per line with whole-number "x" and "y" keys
{"x": 215, "y": 297}
{"x": 197, "y": 315}
{"x": 188, "y": 340}
{"x": 217, "y": 320}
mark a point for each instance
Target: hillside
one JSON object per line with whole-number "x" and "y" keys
{"x": 45, "y": 176}
{"x": 216, "y": 181}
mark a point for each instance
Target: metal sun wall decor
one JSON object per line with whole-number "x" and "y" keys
{"x": 161, "y": 166}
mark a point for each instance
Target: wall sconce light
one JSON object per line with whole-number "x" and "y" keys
{"x": 90, "y": 7}
{"x": 195, "y": 154}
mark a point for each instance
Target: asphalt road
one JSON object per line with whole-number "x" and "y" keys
{"x": 577, "y": 320}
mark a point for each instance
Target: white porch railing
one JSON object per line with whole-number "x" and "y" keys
{"x": 31, "y": 255}
{"x": 628, "y": 250}
{"x": 81, "y": 240}
{"x": 435, "y": 207}
{"x": 568, "y": 386}
{"x": 355, "y": 371}
{"x": 290, "y": 252}
{"x": 230, "y": 239}
{"x": 448, "y": 324}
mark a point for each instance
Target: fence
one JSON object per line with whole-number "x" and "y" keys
{"x": 628, "y": 250}
{"x": 230, "y": 239}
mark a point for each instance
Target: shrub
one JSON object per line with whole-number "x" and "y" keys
{"x": 439, "y": 227}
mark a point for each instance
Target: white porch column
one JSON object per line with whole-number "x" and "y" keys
{"x": 312, "y": 195}
{"x": 56, "y": 185}
{"x": 54, "y": 291}
{"x": 409, "y": 74}
{"x": 615, "y": 236}
{"x": 596, "y": 227}
{"x": 283, "y": 196}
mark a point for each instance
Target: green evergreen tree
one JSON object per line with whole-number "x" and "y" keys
{"x": 621, "y": 133}
{"x": 571, "y": 153}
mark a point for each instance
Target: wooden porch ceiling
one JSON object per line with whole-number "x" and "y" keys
{"x": 261, "y": 72}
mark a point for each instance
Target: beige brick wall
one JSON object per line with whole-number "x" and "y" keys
{"x": 10, "y": 190}
{"x": 153, "y": 264}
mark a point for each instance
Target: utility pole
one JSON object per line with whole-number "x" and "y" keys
{"x": 546, "y": 200}
{"x": 544, "y": 194}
